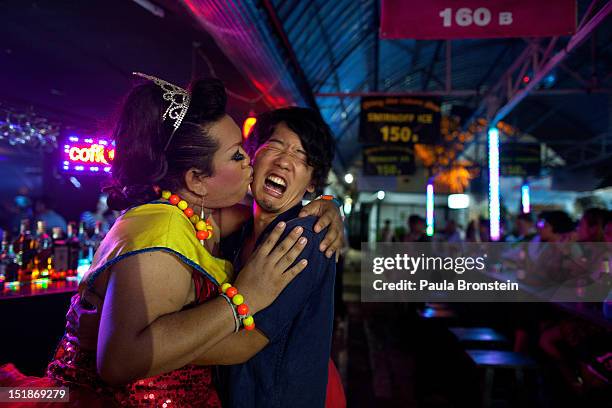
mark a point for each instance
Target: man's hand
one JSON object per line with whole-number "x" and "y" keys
{"x": 329, "y": 216}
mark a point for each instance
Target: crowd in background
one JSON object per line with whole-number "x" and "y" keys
{"x": 595, "y": 225}
{"x": 578, "y": 352}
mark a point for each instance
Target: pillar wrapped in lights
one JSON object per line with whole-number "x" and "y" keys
{"x": 494, "y": 205}
{"x": 430, "y": 209}
{"x": 525, "y": 200}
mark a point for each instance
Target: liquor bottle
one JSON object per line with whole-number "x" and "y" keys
{"x": 12, "y": 267}
{"x": 83, "y": 240}
{"x": 95, "y": 240}
{"x": 73, "y": 249}
{"x": 23, "y": 247}
{"x": 60, "y": 255}
{"x": 3, "y": 258}
{"x": 44, "y": 246}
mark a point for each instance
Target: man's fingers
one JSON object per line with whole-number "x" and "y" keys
{"x": 289, "y": 257}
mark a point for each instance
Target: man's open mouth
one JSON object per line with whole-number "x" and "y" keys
{"x": 275, "y": 185}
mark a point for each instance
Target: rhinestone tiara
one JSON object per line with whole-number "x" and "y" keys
{"x": 179, "y": 100}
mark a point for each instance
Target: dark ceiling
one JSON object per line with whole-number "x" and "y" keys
{"x": 72, "y": 60}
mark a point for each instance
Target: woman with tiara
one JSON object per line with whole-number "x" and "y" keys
{"x": 151, "y": 303}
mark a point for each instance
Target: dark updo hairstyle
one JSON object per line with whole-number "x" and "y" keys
{"x": 315, "y": 135}
{"x": 140, "y": 136}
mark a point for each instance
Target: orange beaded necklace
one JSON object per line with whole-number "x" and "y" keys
{"x": 204, "y": 228}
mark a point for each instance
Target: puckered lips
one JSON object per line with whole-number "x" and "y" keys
{"x": 275, "y": 185}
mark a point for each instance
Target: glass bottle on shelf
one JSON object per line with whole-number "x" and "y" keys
{"x": 12, "y": 267}
{"x": 61, "y": 255}
{"x": 95, "y": 240}
{"x": 23, "y": 247}
{"x": 74, "y": 247}
{"x": 3, "y": 258}
{"x": 44, "y": 246}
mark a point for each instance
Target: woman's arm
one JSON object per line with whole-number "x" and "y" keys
{"x": 142, "y": 330}
{"x": 236, "y": 348}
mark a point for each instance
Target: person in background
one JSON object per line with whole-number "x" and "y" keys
{"x": 386, "y": 234}
{"x": 483, "y": 230}
{"x": 523, "y": 233}
{"x": 525, "y": 228}
{"x": 608, "y": 227}
{"x": 44, "y": 212}
{"x": 16, "y": 210}
{"x": 470, "y": 232}
{"x": 579, "y": 351}
{"x": 452, "y": 233}
{"x": 416, "y": 233}
{"x": 592, "y": 224}
{"x": 103, "y": 214}
{"x": 544, "y": 262}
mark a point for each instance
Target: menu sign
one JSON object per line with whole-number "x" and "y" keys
{"x": 520, "y": 159}
{"x": 402, "y": 120}
{"x": 390, "y": 160}
{"x": 452, "y": 19}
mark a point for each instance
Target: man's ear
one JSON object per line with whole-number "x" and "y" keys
{"x": 196, "y": 182}
{"x": 310, "y": 189}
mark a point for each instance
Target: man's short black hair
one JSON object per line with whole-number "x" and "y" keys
{"x": 314, "y": 133}
{"x": 559, "y": 220}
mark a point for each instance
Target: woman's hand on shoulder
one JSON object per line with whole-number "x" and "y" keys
{"x": 269, "y": 269}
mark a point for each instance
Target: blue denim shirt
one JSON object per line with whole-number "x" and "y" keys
{"x": 291, "y": 371}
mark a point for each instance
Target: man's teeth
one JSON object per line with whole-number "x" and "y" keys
{"x": 277, "y": 180}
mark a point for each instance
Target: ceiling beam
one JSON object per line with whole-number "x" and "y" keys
{"x": 376, "y": 50}
{"x": 433, "y": 64}
{"x": 279, "y": 31}
{"x": 586, "y": 29}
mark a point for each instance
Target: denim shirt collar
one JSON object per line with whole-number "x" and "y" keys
{"x": 288, "y": 215}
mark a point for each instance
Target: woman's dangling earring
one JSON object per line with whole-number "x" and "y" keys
{"x": 202, "y": 216}
{"x": 204, "y": 227}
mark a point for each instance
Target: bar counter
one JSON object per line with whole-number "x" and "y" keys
{"x": 39, "y": 288}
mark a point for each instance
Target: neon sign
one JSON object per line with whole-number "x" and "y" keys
{"x": 87, "y": 155}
